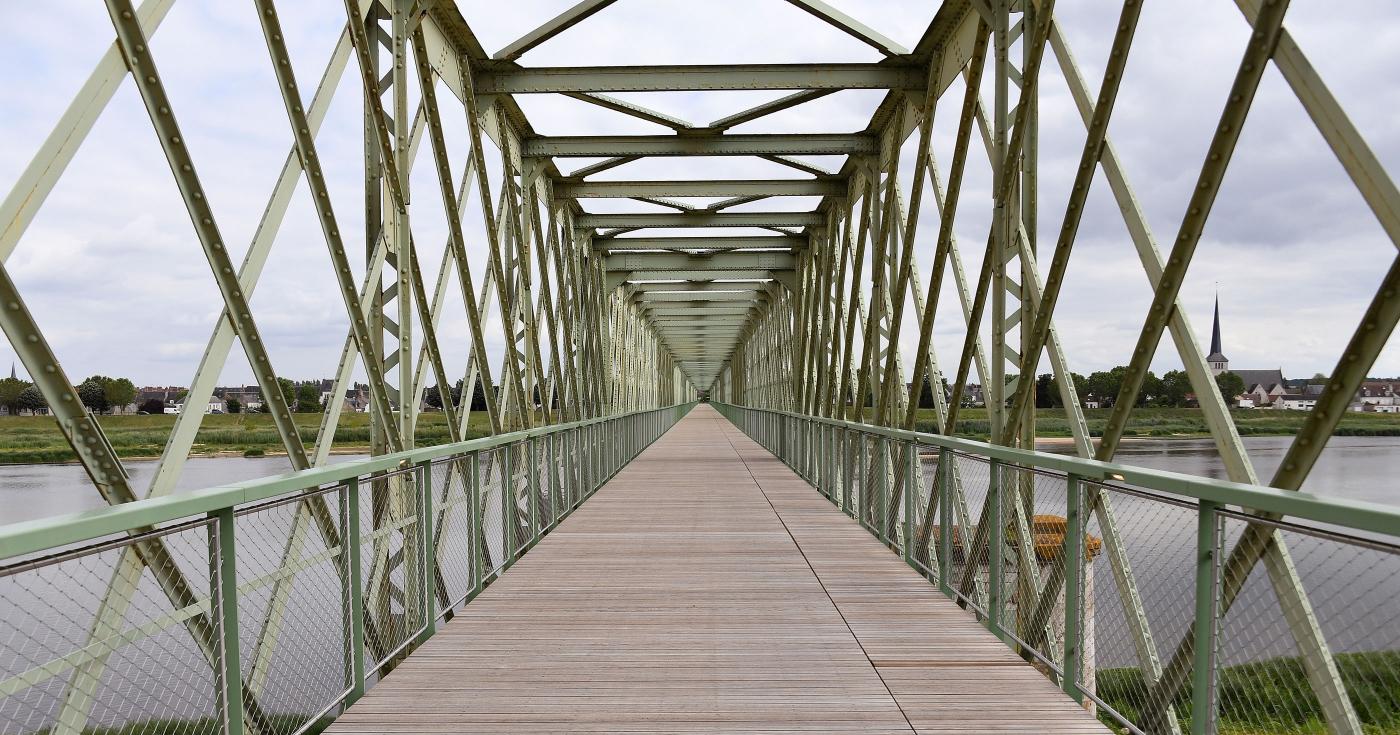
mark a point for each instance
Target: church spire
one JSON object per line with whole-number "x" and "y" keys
{"x": 1218, "y": 362}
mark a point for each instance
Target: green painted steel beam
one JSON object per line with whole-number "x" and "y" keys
{"x": 726, "y": 261}
{"x": 757, "y": 144}
{"x": 716, "y": 188}
{"x": 793, "y": 242}
{"x": 701, "y": 219}
{"x": 695, "y": 78}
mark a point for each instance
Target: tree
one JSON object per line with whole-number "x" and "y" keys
{"x": 152, "y": 405}
{"x": 308, "y": 397}
{"x": 926, "y": 394}
{"x": 119, "y": 392}
{"x": 93, "y": 393}
{"x": 30, "y": 399}
{"x": 233, "y": 405}
{"x": 10, "y": 388}
{"x": 1151, "y": 391}
{"x": 1047, "y": 394}
{"x": 289, "y": 391}
{"x": 1176, "y": 384}
{"x": 1230, "y": 385}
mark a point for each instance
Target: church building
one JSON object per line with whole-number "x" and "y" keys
{"x": 1262, "y": 388}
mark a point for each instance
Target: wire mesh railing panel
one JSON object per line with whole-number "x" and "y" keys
{"x": 1138, "y": 600}
{"x": 1281, "y": 670}
{"x": 523, "y": 503}
{"x": 390, "y": 558}
{"x": 968, "y": 567}
{"x": 492, "y": 524}
{"x": 928, "y": 508}
{"x": 453, "y": 531}
{"x": 1036, "y": 523}
{"x": 116, "y": 635}
{"x": 292, "y": 607}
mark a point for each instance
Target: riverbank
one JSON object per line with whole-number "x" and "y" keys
{"x": 36, "y": 439}
{"x": 1170, "y": 423}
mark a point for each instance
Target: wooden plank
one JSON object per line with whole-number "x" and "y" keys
{"x": 707, "y": 589}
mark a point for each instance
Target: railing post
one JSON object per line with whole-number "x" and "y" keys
{"x": 995, "y": 548}
{"x": 354, "y": 590}
{"x": 427, "y": 555}
{"x": 911, "y": 458}
{"x": 509, "y": 529}
{"x": 863, "y": 504}
{"x": 533, "y": 475}
{"x": 1203, "y": 693}
{"x": 883, "y": 519}
{"x": 556, "y": 494}
{"x": 1074, "y": 560}
{"x": 223, "y": 582}
{"x": 945, "y": 521}
{"x": 474, "y": 525}
{"x": 848, "y": 462}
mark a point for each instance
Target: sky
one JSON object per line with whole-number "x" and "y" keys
{"x": 114, "y": 275}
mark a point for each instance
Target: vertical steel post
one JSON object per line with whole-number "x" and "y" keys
{"x": 223, "y": 581}
{"x": 551, "y": 460}
{"x": 532, "y": 456}
{"x": 995, "y": 548}
{"x": 945, "y": 521}
{"x": 885, "y": 449}
{"x": 475, "y": 526}
{"x": 1203, "y": 693}
{"x": 354, "y": 589}
{"x": 427, "y": 555}
{"x": 847, "y": 461}
{"x": 911, "y": 458}
{"x": 509, "y": 529}
{"x": 1075, "y": 561}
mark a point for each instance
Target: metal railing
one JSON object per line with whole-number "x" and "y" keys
{"x": 1188, "y": 597}
{"x": 268, "y": 606}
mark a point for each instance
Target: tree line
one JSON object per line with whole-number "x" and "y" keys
{"x": 1171, "y": 390}
{"x": 98, "y": 393}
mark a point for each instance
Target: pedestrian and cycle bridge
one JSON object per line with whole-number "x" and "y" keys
{"x": 707, "y": 499}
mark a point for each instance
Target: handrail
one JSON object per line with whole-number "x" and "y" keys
{"x": 27, "y": 537}
{"x": 1012, "y": 536}
{"x": 382, "y": 548}
{"x": 1356, "y": 514}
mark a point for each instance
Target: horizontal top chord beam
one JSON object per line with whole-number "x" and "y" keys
{"x": 697, "y": 78}
{"x": 757, "y": 144}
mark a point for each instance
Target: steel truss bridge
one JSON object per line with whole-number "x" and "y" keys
{"x": 1038, "y": 592}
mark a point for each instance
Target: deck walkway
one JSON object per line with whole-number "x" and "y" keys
{"x": 708, "y": 589}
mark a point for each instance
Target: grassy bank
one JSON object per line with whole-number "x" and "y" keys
{"x": 1173, "y": 422}
{"x": 28, "y": 439}
{"x": 1274, "y": 696}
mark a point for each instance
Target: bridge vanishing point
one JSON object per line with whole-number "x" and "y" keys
{"x": 703, "y": 501}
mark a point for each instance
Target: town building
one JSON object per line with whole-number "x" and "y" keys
{"x": 1262, "y": 388}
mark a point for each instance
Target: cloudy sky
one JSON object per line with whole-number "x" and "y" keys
{"x": 115, "y": 277}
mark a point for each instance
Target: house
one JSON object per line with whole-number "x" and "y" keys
{"x": 1295, "y": 402}
{"x": 213, "y": 405}
{"x": 1379, "y": 393}
{"x": 249, "y": 397}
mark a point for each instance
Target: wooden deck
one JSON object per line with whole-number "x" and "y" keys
{"x": 708, "y": 589}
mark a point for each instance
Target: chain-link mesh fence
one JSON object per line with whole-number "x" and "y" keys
{"x": 1100, "y": 584}
{"x": 330, "y": 586}
{"x": 112, "y": 634}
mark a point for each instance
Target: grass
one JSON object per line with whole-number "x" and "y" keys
{"x": 1172, "y": 422}
{"x": 36, "y": 439}
{"x": 1274, "y": 696}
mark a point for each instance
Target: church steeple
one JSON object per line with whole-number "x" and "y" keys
{"x": 1218, "y": 362}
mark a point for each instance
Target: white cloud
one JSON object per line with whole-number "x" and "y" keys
{"x": 113, "y": 273}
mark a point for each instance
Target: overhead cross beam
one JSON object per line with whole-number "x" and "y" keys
{"x": 773, "y": 144}
{"x": 539, "y": 80}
